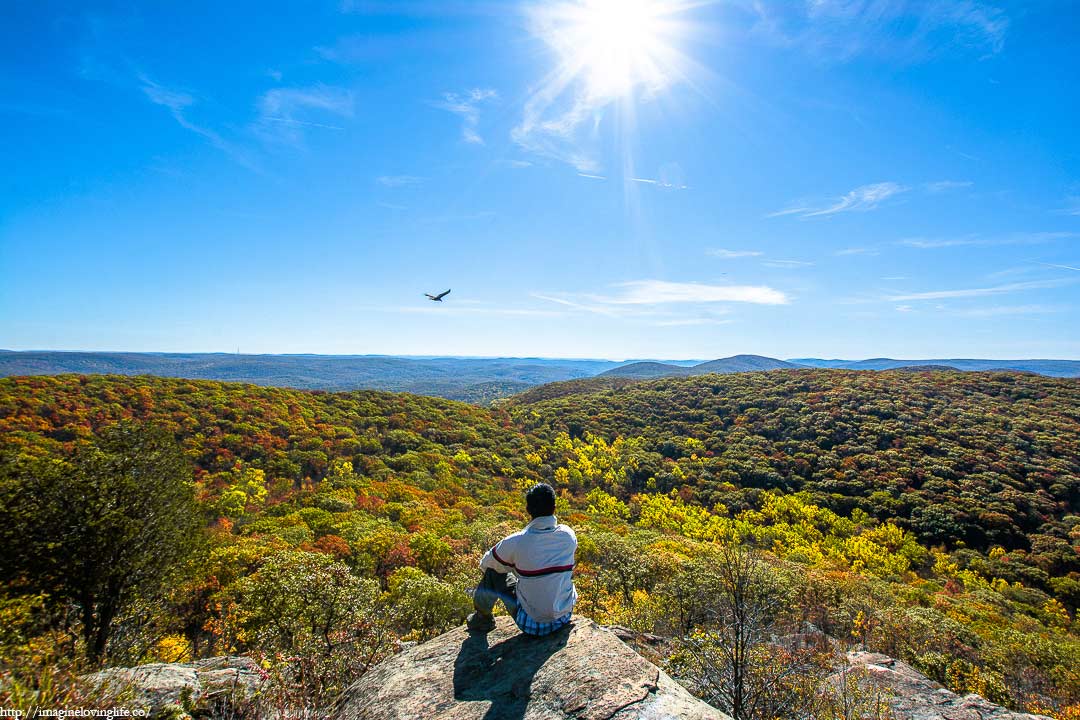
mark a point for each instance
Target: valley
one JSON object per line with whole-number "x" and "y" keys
{"x": 930, "y": 516}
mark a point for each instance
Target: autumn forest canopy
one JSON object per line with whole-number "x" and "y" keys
{"x": 934, "y": 516}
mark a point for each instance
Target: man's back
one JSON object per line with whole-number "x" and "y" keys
{"x": 542, "y": 558}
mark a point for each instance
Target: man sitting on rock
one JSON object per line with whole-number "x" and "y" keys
{"x": 540, "y": 594}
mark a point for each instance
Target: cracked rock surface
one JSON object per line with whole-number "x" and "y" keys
{"x": 583, "y": 672}
{"x": 916, "y": 697}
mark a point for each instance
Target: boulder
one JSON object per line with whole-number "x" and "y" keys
{"x": 582, "y": 672}
{"x": 159, "y": 686}
{"x": 913, "y": 696}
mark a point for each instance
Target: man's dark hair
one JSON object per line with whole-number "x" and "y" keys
{"x": 540, "y": 500}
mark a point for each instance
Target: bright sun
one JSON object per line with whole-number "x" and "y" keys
{"x": 616, "y": 46}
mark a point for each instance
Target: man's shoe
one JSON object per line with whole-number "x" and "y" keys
{"x": 480, "y": 622}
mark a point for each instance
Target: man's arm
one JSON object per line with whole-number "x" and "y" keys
{"x": 570, "y": 531}
{"x": 501, "y": 557}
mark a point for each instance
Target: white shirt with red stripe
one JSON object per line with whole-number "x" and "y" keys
{"x": 542, "y": 558}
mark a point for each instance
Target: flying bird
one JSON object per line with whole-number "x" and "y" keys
{"x": 437, "y": 298}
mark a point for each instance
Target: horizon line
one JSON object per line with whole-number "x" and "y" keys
{"x": 534, "y": 357}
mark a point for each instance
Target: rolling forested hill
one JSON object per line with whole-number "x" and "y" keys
{"x": 987, "y": 459}
{"x": 1052, "y": 368}
{"x": 932, "y": 516}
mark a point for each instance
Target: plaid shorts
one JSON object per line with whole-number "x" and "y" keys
{"x": 532, "y": 627}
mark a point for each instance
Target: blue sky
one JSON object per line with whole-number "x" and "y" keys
{"x": 834, "y": 178}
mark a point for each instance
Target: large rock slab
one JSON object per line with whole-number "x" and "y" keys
{"x": 582, "y": 672}
{"x": 916, "y": 697}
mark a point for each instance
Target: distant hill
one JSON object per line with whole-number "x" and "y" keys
{"x": 733, "y": 364}
{"x": 582, "y": 386}
{"x": 742, "y": 363}
{"x": 475, "y": 380}
{"x": 926, "y": 368}
{"x": 472, "y": 379}
{"x": 642, "y": 370}
{"x": 1051, "y": 368}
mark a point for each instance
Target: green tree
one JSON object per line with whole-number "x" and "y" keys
{"x": 422, "y": 605}
{"x": 623, "y": 563}
{"x": 734, "y": 663}
{"x": 432, "y": 553}
{"x": 688, "y": 595}
{"x": 313, "y": 612}
{"x": 106, "y": 530}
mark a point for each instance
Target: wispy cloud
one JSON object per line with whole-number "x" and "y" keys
{"x": 661, "y": 183}
{"x": 467, "y": 106}
{"x": 396, "y": 181}
{"x": 1006, "y": 310}
{"x": 651, "y": 292}
{"x": 649, "y": 298}
{"x": 733, "y": 254}
{"x": 1029, "y": 269}
{"x": 932, "y": 243}
{"x": 657, "y": 303}
{"x": 866, "y": 197}
{"x": 861, "y": 199}
{"x": 1062, "y": 267}
{"x": 856, "y": 251}
{"x": 787, "y": 264}
{"x": 1022, "y": 238}
{"x": 644, "y": 181}
{"x": 683, "y": 322}
{"x": 900, "y": 30}
{"x": 284, "y": 113}
{"x": 976, "y": 21}
{"x": 583, "y": 305}
{"x": 988, "y": 311}
{"x": 1072, "y": 206}
{"x": 175, "y": 100}
{"x": 302, "y": 123}
{"x": 979, "y": 292}
{"x": 945, "y": 185}
{"x": 178, "y": 102}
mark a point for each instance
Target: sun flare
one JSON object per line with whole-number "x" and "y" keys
{"x": 609, "y": 55}
{"x": 617, "y": 47}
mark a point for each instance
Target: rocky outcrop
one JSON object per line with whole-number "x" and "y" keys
{"x": 582, "y": 672}
{"x": 913, "y": 696}
{"x": 163, "y": 686}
